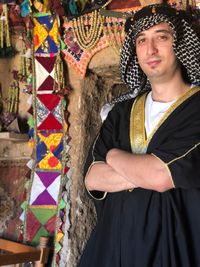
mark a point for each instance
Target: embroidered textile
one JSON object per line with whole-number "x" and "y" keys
{"x": 45, "y": 188}
{"x": 39, "y": 222}
{"x": 45, "y": 34}
{"x": 78, "y": 58}
{"x": 49, "y": 115}
{"x": 44, "y": 68}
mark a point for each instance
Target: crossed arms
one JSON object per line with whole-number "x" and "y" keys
{"x": 123, "y": 170}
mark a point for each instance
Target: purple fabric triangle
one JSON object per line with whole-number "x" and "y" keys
{"x": 47, "y": 178}
{"x": 44, "y": 199}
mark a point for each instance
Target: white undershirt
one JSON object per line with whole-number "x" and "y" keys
{"x": 154, "y": 111}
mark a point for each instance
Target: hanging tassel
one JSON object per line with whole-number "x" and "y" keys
{"x": 6, "y": 50}
{"x": 59, "y": 79}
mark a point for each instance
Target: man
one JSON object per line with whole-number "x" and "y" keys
{"x": 143, "y": 169}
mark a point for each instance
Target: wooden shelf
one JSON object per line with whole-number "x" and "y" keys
{"x": 14, "y": 137}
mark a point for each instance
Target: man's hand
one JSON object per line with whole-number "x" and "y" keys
{"x": 103, "y": 177}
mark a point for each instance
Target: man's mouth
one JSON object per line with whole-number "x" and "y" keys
{"x": 153, "y": 63}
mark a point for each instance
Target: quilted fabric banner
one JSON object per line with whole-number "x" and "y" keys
{"x": 45, "y": 206}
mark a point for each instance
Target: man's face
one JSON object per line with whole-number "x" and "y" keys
{"x": 155, "y": 52}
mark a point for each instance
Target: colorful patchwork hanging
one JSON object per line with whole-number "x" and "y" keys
{"x": 45, "y": 205}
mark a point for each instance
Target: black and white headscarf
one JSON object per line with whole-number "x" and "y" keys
{"x": 186, "y": 45}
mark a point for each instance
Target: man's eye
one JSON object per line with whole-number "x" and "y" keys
{"x": 162, "y": 37}
{"x": 140, "y": 40}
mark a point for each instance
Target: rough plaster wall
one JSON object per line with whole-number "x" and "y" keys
{"x": 100, "y": 85}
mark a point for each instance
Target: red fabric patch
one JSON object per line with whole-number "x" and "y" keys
{"x": 36, "y": 40}
{"x": 51, "y": 225}
{"x": 50, "y": 123}
{"x": 47, "y": 62}
{"x": 32, "y": 226}
{"x": 47, "y": 85}
{"x": 53, "y": 161}
{"x": 49, "y": 100}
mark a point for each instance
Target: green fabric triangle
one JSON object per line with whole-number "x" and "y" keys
{"x": 57, "y": 247}
{"x": 64, "y": 102}
{"x": 24, "y": 205}
{"x": 62, "y": 204}
{"x": 42, "y": 14}
{"x": 62, "y": 44}
{"x": 43, "y": 215}
{"x": 42, "y": 232}
{"x": 31, "y": 122}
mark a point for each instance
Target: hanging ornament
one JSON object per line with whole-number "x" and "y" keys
{"x": 114, "y": 31}
{"x": 60, "y": 86}
{"x": 87, "y": 29}
{"x": 6, "y": 50}
{"x": 13, "y": 98}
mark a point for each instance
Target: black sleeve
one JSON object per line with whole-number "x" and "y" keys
{"x": 114, "y": 133}
{"x": 98, "y": 150}
{"x": 180, "y": 148}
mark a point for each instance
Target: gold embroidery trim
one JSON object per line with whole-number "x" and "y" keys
{"x": 93, "y": 163}
{"x": 139, "y": 142}
{"x": 185, "y": 154}
{"x": 104, "y": 193}
{"x": 137, "y": 129}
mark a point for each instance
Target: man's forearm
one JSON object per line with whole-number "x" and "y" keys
{"x": 103, "y": 177}
{"x": 145, "y": 171}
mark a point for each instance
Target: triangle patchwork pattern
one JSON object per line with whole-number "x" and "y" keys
{"x": 43, "y": 214}
{"x": 44, "y": 198}
{"x": 32, "y": 225}
{"x": 45, "y": 68}
{"x": 49, "y": 115}
{"x": 50, "y": 123}
{"x": 45, "y": 188}
{"x": 47, "y": 178}
{"x": 46, "y": 34}
{"x": 50, "y": 225}
{"x": 37, "y": 188}
{"x": 42, "y": 112}
{"x": 47, "y": 63}
{"x": 50, "y": 162}
{"x": 49, "y": 100}
{"x": 41, "y": 232}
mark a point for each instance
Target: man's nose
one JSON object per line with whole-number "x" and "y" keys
{"x": 151, "y": 47}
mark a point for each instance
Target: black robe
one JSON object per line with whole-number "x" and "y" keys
{"x": 145, "y": 228}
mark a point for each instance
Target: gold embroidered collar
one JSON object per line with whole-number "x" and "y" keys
{"x": 139, "y": 141}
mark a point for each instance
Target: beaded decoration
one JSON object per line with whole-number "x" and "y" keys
{"x": 87, "y": 30}
{"x": 6, "y": 50}
{"x": 13, "y": 98}
{"x": 114, "y": 32}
